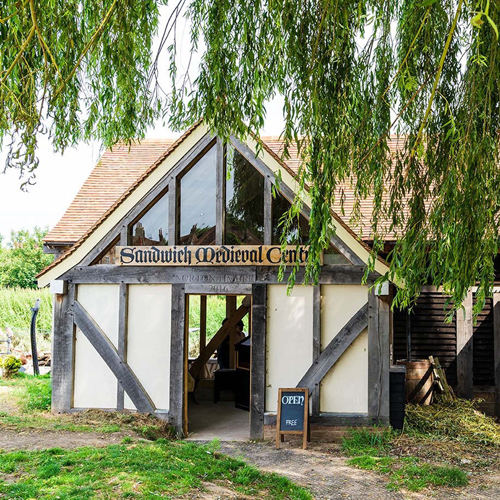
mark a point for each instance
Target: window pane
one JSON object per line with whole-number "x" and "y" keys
{"x": 244, "y": 202}
{"x": 152, "y": 227}
{"x": 280, "y": 207}
{"x": 197, "y": 203}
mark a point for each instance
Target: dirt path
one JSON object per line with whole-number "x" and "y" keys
{"x": 329, "y": 477}
{"x": 43, "y": 439}
{"x": 325, "y": 474}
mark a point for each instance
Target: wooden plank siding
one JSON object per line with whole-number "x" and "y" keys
{"x": 431, "y": 335}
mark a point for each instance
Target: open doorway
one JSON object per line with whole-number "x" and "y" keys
{"x": 218, "y": 337}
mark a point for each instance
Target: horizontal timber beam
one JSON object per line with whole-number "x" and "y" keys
{"x": 110, "y": 355}
{"x": 330, "y": 275}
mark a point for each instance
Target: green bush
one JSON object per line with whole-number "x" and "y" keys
{"x": 10, "y": 366}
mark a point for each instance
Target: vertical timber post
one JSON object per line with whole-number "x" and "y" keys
{"x": 315, "y": 398}
{"x": 496, "y": 343}
{"x": 378, "y": 358}
{"x": 63, "y": 351}
{"x": 268, "y": 211}
{"x": 465, "y": 353}
{"x": 122, "y": 338}
{"x": 220, "y": 193}
{"x": 258, "y": 361}
{"x": 177, "y": 336}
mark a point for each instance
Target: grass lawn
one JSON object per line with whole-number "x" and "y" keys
{"x": 445, "y": 444}
{"x": 165, "y": 469}
{"x": 147, "y": 464}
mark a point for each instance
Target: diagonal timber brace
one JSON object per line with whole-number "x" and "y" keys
{"x": 109, "y": 354}
{"x": 334, "y": 350}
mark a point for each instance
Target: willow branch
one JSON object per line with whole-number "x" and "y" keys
{"x": 89, "y": 45}
{"x": 438, "y": 77}
{"x": 19, "y": 55}
{"x": 44, "y": 45}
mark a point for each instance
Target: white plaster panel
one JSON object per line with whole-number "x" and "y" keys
{"x": 289, "y": 338}
{"x": 95, "y": 385}
{"x": 344, "y": 389}
{"x": 148, "y": 340}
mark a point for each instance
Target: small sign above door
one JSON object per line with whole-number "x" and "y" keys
{"x": 223, "y": 255}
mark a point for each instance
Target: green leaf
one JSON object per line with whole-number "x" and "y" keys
{"x": 493, "y": 25}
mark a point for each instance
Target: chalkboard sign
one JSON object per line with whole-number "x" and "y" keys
{"x": 293, "y": 413}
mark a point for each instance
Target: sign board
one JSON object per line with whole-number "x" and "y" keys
{"x": 222, "y": 255}
{"x": 293, "y": 414}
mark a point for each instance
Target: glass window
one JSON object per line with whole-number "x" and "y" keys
{"x": 152, "y": 228}
{"x": 280, "y": 207}
{"x": 244, "y": 202}
{"x": 197, "y": 203}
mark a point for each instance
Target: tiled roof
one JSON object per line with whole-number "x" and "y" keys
{"x": 116, "y": 171}
{"x": 120, "y": 169}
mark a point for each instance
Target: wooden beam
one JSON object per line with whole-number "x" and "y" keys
{"x": 219, "y": 289}
{"x": 496, "y": 353}
{"x": 172, "y": 211}
{"x": 315, "y": 397}
{"x": 63, "y": 345}
{"x": 109, "y": 354}
{"x": 203, "y": 322}
{"x": 122, "y": 338}
{"x": 258, "y": 361}
{"x": 378, "y": 358}
{"x": 177, "y": 354}
{"x": 334, "y": 350}
{"x": 465, "y": 386}
{"x": 230, "y": 309}
{"x": 288, "y": 193}
{"x": 220, "y": 200}
{"x": 220, "y": 275}
{"x": 216, "y": 341}
{"x": 268, "y": 210}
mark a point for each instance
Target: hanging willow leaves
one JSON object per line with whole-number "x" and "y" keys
{"x": 351, "y": 74}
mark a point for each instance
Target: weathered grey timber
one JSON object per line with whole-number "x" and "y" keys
{"x": 177, "y": 341}
{"x": 106, "y": 273}
{"x": 124, "y": 236}
{"x": 496, "y": 354}
{"x": 109, "y": 354}
{"x": 203, "y": 322}
{"x": 220, "y": 195}
{"x": 237, "y": 289}
{"x": 63, "y": 351}
{"x": 122, "y": 338}
{"x": 258, "y": 365}
{"x": 288, "y": 193}
{"x": 160, "y": 188}
{"x": 465, "y": 387}
{"x": 268, "y": 211}
{"x": 378, "y": 359}
{"x": 334, "y": 350}
{"x": 315, "y": 397}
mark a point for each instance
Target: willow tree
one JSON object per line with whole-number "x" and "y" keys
{"x": 351, "y": 73}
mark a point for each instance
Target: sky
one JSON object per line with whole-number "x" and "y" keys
{"x": 59, "y": 177}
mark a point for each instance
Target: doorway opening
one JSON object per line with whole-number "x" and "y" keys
{"x": 217, "y": 361}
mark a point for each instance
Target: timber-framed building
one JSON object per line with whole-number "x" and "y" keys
{"x": 161, "y": 223}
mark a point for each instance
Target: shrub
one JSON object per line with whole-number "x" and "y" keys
{"x": 10, "y": 366}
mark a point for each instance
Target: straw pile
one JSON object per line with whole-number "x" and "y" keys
{"x": 458, "y": 420}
